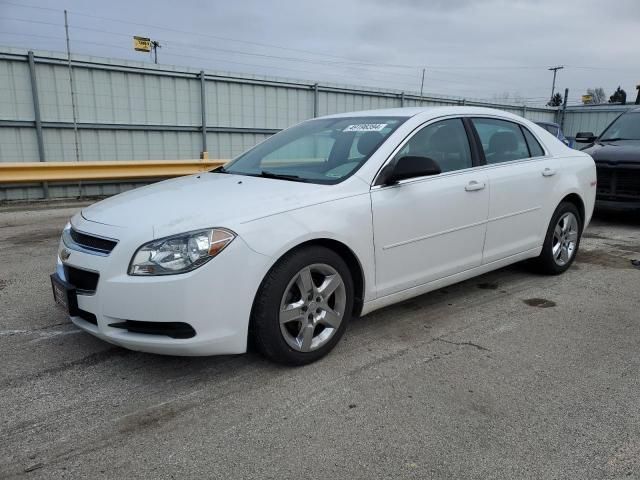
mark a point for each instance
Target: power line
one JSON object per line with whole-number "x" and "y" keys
{"x": 312, "y": 75}
{"x": 31, "y": 6}
{"x": 239, "y": 52}
{"x": 396, "y": 83}
{"x": 200, "y": 58}
{"x": 171, "y": 29}
{"x": 349, "y": 64}
{"x": 266, "y": 45}
{"x": 208, "y": 48}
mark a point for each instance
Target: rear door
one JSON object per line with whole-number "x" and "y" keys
{"x": 431, "y": 227}
{"x": 520, "y": 179}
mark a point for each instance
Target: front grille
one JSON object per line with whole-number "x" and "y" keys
{"x": 83, "y": 280}
{"x": 605, "y": 180}
{"x": 169, "y": 329}
{"x": 90, "y": 242}
{"x": 618, "y": 182}
{"x": 628, "y": 183}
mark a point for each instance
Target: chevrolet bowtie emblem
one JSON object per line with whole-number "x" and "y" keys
{"x": 64, "y": 254}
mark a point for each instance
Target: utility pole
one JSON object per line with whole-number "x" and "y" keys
{"x": 73, "y": 97}
{"x": 155, "y": 45}
{"x": 553, "y": 85}
{"x": 564, "y": 108}
{"x": 422, "y": 83}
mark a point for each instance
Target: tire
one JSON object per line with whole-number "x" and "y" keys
{"x": 555, "y": 258}
{"x": 295, "y": 322}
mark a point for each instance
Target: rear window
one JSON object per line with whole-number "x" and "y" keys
{"x": 534, "y": 147}
{"x": 502, "y": 141}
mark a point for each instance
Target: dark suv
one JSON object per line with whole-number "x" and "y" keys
{"x": 617, "y": 155}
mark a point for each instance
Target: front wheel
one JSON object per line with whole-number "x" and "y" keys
{"x": 303, "y": 306}
{"x": 562, "y": 240}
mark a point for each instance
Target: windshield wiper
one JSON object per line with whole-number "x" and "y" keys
{"x": 219, "y": 169}
{"x": 615, "y": 139}
{"x": 282, "y": 176}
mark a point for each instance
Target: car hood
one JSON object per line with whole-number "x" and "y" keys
{"x": 206, "y": 200}
{"x": 620, "y": 151}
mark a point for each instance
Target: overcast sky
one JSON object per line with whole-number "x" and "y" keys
{"x": 488, "y": 49}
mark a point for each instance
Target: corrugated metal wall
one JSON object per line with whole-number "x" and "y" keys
{"x": 137, "y": 111}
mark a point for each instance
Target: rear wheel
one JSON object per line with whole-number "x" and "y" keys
{"x": 562, "y": 240}
{"x": 303, "y": 306}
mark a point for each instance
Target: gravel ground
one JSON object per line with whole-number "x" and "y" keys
{"x": 509, "y": 375}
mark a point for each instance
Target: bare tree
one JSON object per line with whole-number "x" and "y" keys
{"x": 597, "y": 95}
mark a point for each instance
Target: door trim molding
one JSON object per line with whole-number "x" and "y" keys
{"x": 456, "y": 229}
{"x": 513, "y": 214}
{"x": 432, "y": 235}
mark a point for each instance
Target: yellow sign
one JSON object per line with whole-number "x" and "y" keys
{"x": 142, "y": 44}
{"x": 587, "y": 98}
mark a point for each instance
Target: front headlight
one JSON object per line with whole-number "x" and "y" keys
{"x": 180, "y": 253}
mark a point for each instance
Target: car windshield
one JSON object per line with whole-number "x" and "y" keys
{"x": 625, "y": 127}
{"x": 317, "y": 151}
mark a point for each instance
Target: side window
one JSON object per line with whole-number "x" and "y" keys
{"x": 502, "y": 141}
{"x": 534, "y": 147}
{"x": 445, "y": 142}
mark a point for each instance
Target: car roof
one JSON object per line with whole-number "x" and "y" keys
{"x": 426, "y": 112}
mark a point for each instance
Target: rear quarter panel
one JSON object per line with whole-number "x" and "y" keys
{"x": 576, "y": 174}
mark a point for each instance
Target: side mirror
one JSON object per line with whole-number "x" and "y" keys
{"x": 412, "y": 167}
{"x": 585, "y": 137}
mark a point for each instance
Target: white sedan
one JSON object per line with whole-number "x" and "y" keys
{"x": 332, "y": 218}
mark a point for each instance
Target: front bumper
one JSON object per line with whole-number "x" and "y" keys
{"x": 215, "y": 299}
{"x": 618, "y": 205}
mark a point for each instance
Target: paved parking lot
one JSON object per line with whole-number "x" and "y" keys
{"x": 510, "y": 375}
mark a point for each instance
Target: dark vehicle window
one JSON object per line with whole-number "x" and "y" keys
{"x": 534, "y": 147}
{"x": 502, "y": 141}
{"x": 318, "y": 151}
{"x": 625, "y": 127}
{"x": 445, "y": 142}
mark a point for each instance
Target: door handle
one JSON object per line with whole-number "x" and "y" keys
{"x": 474, "y": 186}
{"x": 548, "y": 172}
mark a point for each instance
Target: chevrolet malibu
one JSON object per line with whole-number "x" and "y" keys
{"x": 329, "y": 219}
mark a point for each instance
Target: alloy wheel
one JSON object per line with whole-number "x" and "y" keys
{"x": 565, "y": 239}
{"x": 312, "y": 307}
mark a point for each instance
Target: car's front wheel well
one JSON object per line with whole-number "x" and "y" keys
{"x": 350, "y": 258}
{"x": 577, "y": 201}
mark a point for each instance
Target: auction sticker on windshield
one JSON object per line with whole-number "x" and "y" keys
{"x": 365, "y": 127}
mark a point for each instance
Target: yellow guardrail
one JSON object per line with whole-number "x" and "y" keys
{"x": 19, "y": 172}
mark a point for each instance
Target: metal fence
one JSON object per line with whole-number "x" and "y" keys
{"x": 136, "y": 111}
